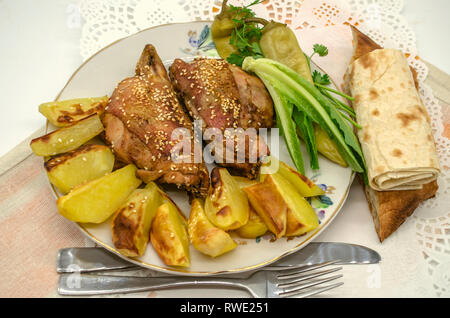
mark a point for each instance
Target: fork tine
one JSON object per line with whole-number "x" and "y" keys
{"x": 300, "y": 278}
{"x": 320, "y": 290}
{"x": 299, "y": 287}
{"x": 299, "y": 268}
{"x": 302, "y": 269}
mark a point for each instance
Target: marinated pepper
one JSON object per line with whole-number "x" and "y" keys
{"x": 233, "y": 36}
{"x": 327, "y": 147}
{"x": 221, "y": 30}
{"x": 279, "y": 43}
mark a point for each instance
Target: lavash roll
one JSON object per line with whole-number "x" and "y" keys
{"x": 396, "y": 136}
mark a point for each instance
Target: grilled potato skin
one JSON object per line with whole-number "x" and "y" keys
{"x": 71, "y": 169}
{"x": 270, "y": 206}
{"x": 204, "y": 236}
{"x": 67, "y": 138}
{"x": 301, "y": 217}
{"x": 131, "y": 223}
{"x": 169, "y": 236}
{"x": 304, "y": 186}
{"x": 226, "y": 205}
{"x": 96, "y": 201}
{"x": 255, "y": 226}
{"x": 66, "y": 112}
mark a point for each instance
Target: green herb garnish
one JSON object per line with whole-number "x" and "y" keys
{"x": 318, "y": 78}
{"x": 320, "y": 49}
{"x": 322, "y": 80}
{"x": 306, "y": 129}
{"x": 288, "y": 88}
{"x": 245, "y": 36}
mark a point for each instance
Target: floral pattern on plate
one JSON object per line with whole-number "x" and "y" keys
{"x": 200, "y": 44}
{"x": 321, "y": 202}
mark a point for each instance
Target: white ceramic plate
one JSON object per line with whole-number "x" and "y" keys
{"x": 101, "y": 73}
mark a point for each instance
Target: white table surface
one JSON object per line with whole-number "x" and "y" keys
{"x": 40, "y": 50}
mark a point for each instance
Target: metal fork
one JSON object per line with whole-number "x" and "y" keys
{"x": 302, "y": 282}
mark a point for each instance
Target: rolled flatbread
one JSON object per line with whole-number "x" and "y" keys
{"x": 396, "y": 136}
{"x": 389, "y": 209}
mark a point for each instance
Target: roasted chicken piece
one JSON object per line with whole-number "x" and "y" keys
{"x": 224, "y": 96}
{"x": 139, "y": 120}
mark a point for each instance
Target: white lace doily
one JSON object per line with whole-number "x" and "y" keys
{"x": 109, "y": 20}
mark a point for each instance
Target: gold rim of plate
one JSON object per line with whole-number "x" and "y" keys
{"x": 181, "y": 270}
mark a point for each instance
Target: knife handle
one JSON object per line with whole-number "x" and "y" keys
{"x": 89, "y": 259}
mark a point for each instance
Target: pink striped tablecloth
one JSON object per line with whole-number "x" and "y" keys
{"x": 32, "y": 231}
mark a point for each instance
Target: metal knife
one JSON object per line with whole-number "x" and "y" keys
{"x": 93, "y": 259}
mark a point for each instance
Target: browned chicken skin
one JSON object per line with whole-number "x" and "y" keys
{"x": 224, "y": 96}
{"x": 139, "y": 121}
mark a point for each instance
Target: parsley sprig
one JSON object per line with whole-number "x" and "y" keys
{"x": 320, "y": 49}
{"x": 318, "y": 78}
{"x": 321, "y": 81}
{"x": 245, "y": 36}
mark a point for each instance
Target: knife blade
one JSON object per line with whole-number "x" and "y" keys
{"x": 321, "y": 252}
{"x": 93, "y": 259}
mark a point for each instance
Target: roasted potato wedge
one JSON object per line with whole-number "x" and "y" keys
{"x": 66, "y": 112}
{"x": 166, "y": 199}
{"x": 169, "y": 236}
{"x": 270, "y": 205}
{"x": 255, "y": 227}
{"x": 204, "y": 236}
{"x": 131, "y": 223}
{"x": 226, "y": 205}
{"x": 306, "y": 187}
{"x": 244, "y": 182}
{"x": 67, "y": 138}
{"x": 71, "y": 169}
{"x": 300, "y": 217}
{"x": 96, "y": 201}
